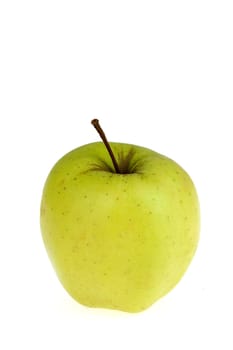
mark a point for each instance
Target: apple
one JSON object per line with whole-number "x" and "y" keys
{"x": 120, "y": 224}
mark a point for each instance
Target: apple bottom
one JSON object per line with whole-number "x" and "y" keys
{"x": 124, "y": 264}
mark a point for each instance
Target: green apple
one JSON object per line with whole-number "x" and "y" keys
{"x": 120, "y": 225}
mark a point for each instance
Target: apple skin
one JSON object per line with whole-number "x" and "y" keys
{"x": 119, "y": 241}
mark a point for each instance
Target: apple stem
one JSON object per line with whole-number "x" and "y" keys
{"x": 95, "y": 123}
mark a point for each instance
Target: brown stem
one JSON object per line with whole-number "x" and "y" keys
{"x": 95, "y": 123}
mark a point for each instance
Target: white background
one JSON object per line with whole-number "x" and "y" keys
{"x": 156, "y": 73}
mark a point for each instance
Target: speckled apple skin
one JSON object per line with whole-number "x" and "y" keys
{"x": 119, "y": 241}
